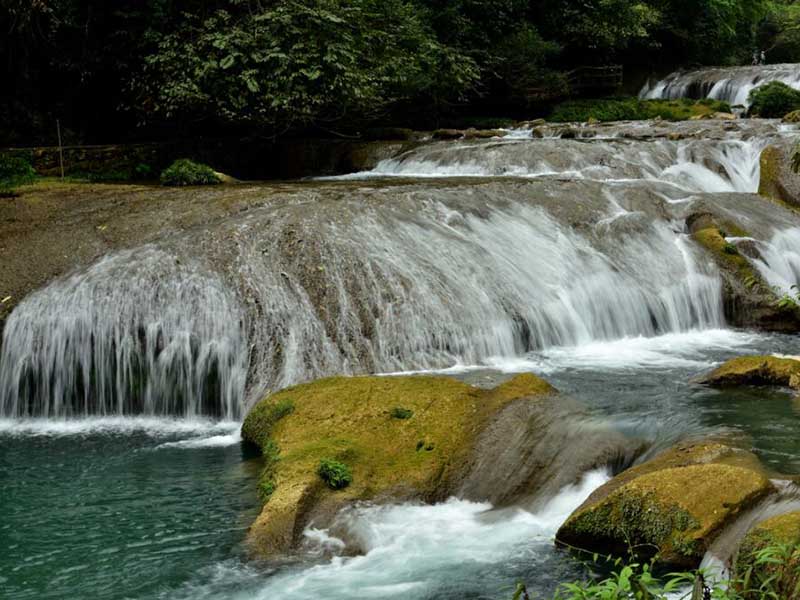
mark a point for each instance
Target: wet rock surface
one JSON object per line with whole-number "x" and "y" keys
{"x": 672, "y": 506}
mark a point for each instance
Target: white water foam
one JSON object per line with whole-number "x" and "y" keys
{"x": 410, "y": 549}
{"x": 199, "y": 429}
{"x": 688, "y": 349}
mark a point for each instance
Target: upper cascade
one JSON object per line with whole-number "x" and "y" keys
{"x": 729, "y": 84}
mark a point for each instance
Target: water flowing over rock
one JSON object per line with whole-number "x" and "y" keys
{"x": 138, "y": 333}
{"x": 729, "y": 84}
{"x": 587, "y": 243}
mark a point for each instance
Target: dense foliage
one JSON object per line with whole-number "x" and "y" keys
{"x": 160, "y": 67}
{"x": 774, "y": 100}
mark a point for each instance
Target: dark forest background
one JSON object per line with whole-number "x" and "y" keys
{"x": 114, "y": 70}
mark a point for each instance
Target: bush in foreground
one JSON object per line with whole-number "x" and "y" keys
{"x": 771, "y": 572}
{"x": 774, "y": 100}
{"x": 186, "y": 172}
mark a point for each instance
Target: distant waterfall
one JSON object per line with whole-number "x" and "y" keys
{"x": 730, "y": 84}
{"x": 138, "y": 333}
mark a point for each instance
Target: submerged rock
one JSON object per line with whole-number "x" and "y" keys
{"x": 781, "y": 535}
{"x": 407, "y": 438}
{"x": 671, "y": 507}
{"x": 755, "y": 370}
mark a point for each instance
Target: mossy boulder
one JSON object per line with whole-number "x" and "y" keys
{"x": 670, "y": 507}
{"x": 349, "y": 420}
{"x": 779, "y": 182}
{"x": 792, "y": 117}
{"x": 780, "y": 538}
{"x": 755, "y": 370}
{"x": 748, "y": 299}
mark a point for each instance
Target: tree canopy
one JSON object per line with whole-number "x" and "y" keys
{"x": 271, "y": 66}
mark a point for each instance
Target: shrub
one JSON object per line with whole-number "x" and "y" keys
{"x": 336, "y": 474}
{"x": 774, "y": 100}
{"x": 187, "y": 172}
{"x": 14, "y": 171}
{"x": 402, "y": 413}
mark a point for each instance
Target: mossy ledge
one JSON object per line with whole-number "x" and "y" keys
{"x": 349, "y": 419}
{"x": 670, "y": 507}
{"x": 755, "y": 370}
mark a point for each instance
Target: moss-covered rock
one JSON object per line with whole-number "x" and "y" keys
{"x": 749, "y": 301}
{"x": 780, "y": 537}
{"x": 755, "y": 370}
{"x": 350, "y": 420}
{"x": 671, "y": 507}
{"x": 779, "y": 182}
{"x": 792, "y": 117}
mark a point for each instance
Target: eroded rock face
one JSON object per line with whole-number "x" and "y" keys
{"x": 534, "y": 449}
{"x": 672, "y": 506}
{"x": 503, "y": 445}
{"x": 755, "y": 370}
{"x": 778, "y": 180}
{"x": 781, "y": 533}
{"x": 748, "y": 299}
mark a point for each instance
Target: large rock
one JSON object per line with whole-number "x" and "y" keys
{"x": 749, "y": 301}
{"x": 781, "y": 535}
{"x": 755, "y": 370}
{"x": 457, "y": 440}
{"x": 778, "y": 180}
{"x": 671, "y": 507}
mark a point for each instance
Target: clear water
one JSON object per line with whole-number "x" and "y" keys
{"x": 158, "y": 509}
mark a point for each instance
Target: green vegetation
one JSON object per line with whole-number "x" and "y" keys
{"x": 334, "y": 473}
{"x": 402, "y": 413}
{"x": 186, "y": 172}
{"x": 774, "y": 100}
{"x": 14, "y": 172}
{"x": 232, "y": 66}
{"x": 771, "y": 572}
{"x": 633, "y": 109}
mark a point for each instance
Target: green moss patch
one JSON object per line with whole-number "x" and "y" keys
{"x": 670, "y": 507}
{"x": 634, "y": 109}
{"x": 344, "y": 421}
{"x": 754, "y": 370}
{"x": 769, "y": 555}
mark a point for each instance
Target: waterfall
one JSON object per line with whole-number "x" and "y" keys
{"x": 382, "y": 274}
{"x": 695, "y": 165}
{"x": 137, "y": 333}
{"x": 729, "y": 84}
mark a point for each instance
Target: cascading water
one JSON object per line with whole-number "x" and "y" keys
{"x": 137, "y": 333}
{"x": 567, "y": 257}
{"x": 729, "y": 84}
{"x": 364, "y": 276}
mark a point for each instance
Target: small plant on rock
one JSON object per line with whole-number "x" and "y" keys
{"x": 186, "y": 172}
{"x": 336, "y": 474}
{"x": 399, "y": 412}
